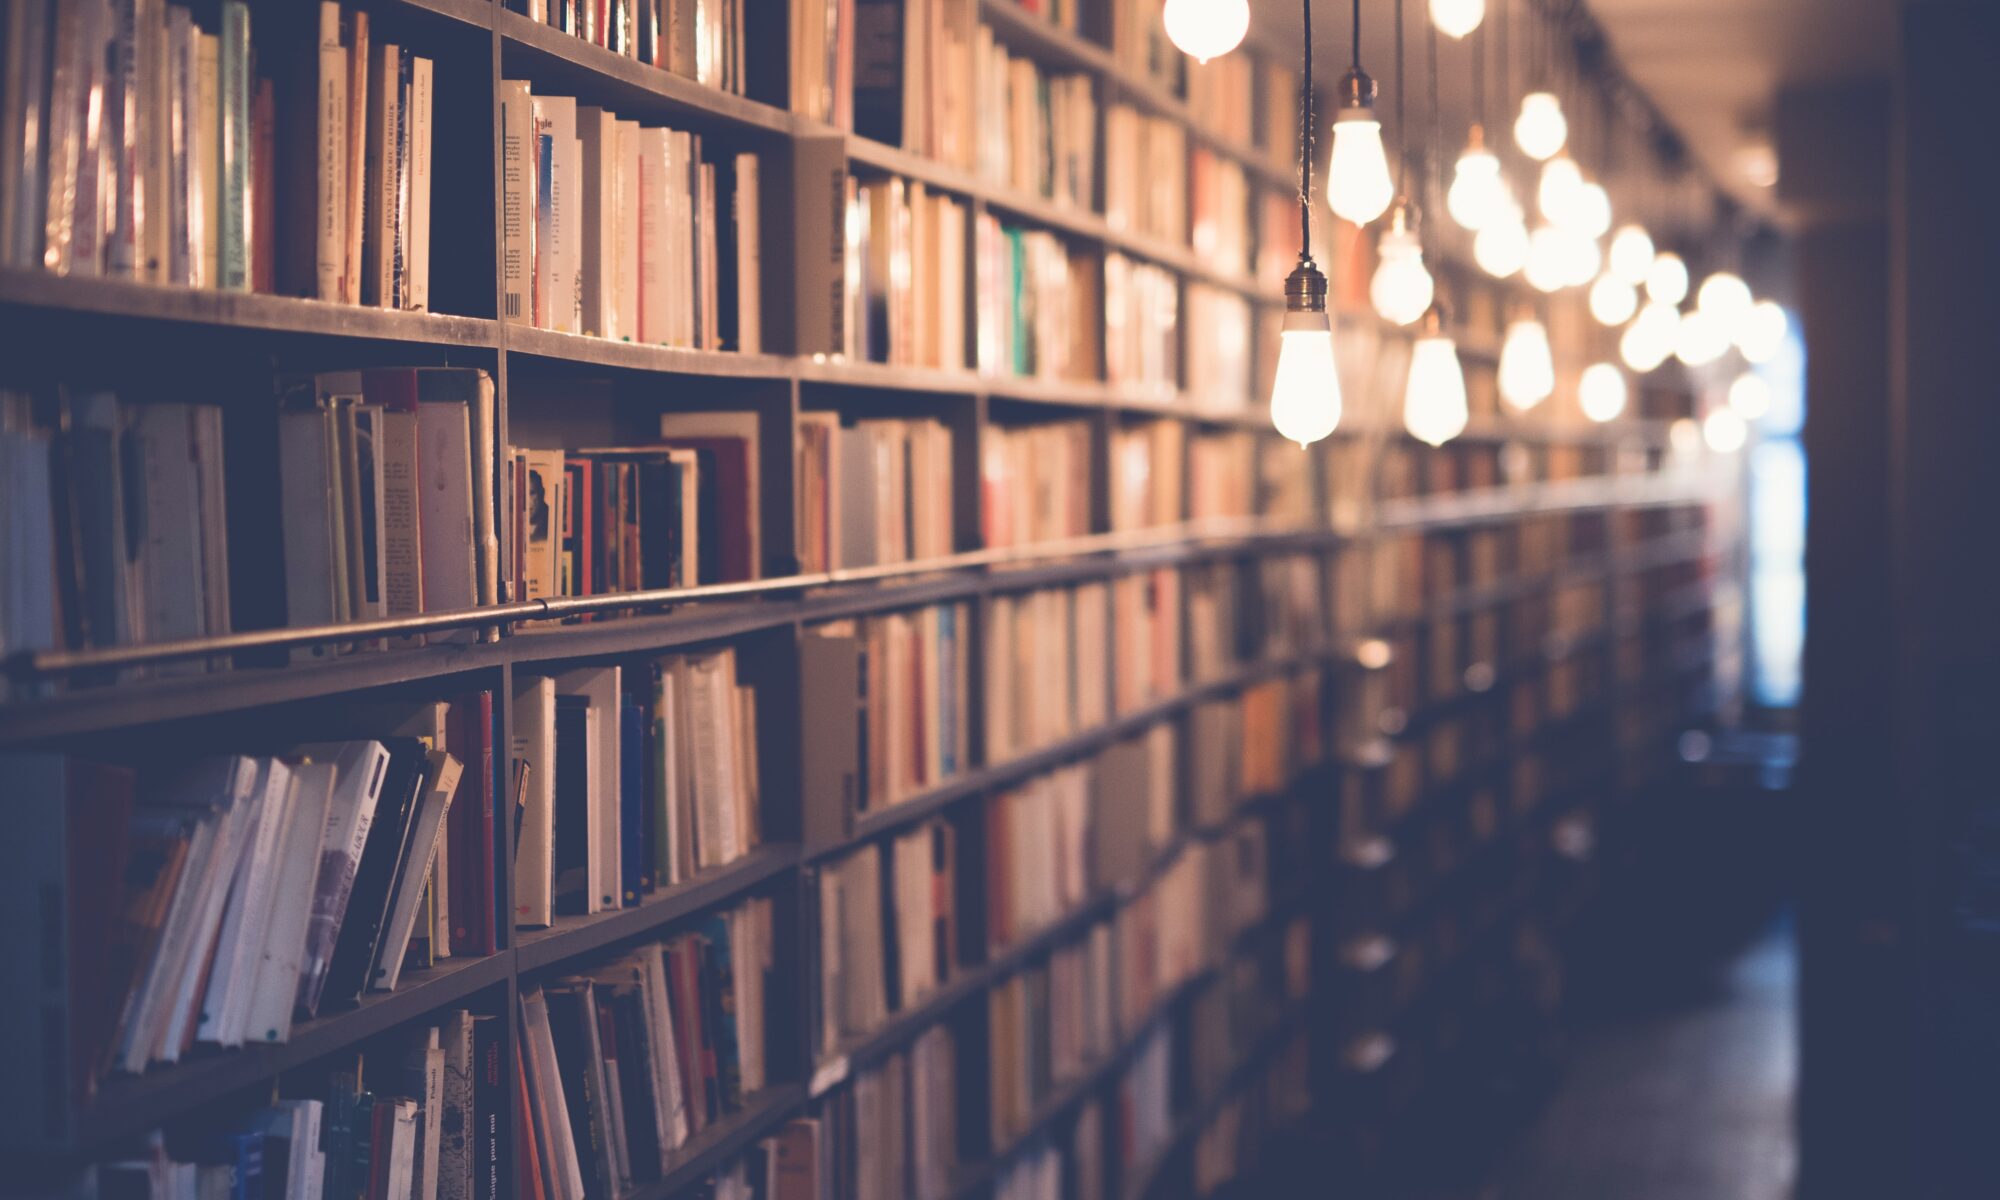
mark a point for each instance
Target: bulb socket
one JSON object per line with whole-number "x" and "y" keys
{"x": 1475, "y": 138}
{"x": 1356, "y": 92}
{"x": 1404, "y": 216}
{"x": 1305, "y": 288}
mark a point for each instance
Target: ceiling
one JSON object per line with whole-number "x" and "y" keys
{"x": 1711, "y": 68}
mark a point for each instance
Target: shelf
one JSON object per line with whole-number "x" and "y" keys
{"x": 550, "y": 346}
{"x": 713, "y": 1146}
{"x": 129, "y": 299}
{"x": 571, "y": 938}
{"x": 126, "y": 1106}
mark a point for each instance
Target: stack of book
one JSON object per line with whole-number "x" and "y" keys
{"x": 113, "y": 526}
{"x": 625, "y": 231}
{"x": 872, "y": 491}
{"x": 1035, "y": 483}
{"x": 152, "y": 152}
{"x": 1047, "y": 667}
{"x": 1044, "y": 140}
{"x": 674, "y": 513}
{"x": 387, "y": 495}
{"x": 630, "y": 780}
{"x": 1045, "y": 1026}
{"x": 1218, "y": 363}
{"x": 906, "y": 262}
{"x": 1148, "y": 474}
{"x": 890, "y": 719}
{"x": 245, "y": 892}
{"x": 1141, "y": 327}
{"x": 622, "y": 1066}
{"x": 886, "y": 941}
{"x": 1146, "y": 174}
{"x": 1033, "y": 291}
{"x": 701, "y": 40}
{"x": 1146, "y": 607}
{"x": 426, "y": 1124}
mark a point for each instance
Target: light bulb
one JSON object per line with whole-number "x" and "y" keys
{"x": 1477, "y": 196}
{"x": 1600, "y": 391}
{"x": 1762, "y": 331}
{"x": 1612, "y": 300}
{"x": 1557, "y": 190}
{"x": 1434, "y": 408}
{"x": 1631, "y": 254}
{"x": 1590, "y": 208}
{"x": 1750, "y": 396}
{"x": 1684, "y": 436}
{"x": 1456, "y": 18}
{"x": 1305, "y": 388}
{"x": 1206, "y": 29}
{"x": 1667, "y": 279}
{"x": 1580, "y": 256}
{"x": 1701, "y": 338}
{"x": 1649, "y": 339}
{"x": 1540, "y": 130}
{"x": 1527, "y": 368}
{"x": 1357, "y": 174}
{"x": 1548, "y": 259}
{"x": 1501, "y": 245}
{"x": 1724, "y": 430}
{"x": 1726, "y": 297}
{"x": 1401, "y": 288}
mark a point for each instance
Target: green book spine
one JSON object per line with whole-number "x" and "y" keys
{"x": 234, "y": 70}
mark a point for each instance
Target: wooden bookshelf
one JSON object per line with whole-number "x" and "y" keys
{"x": 86, "y": 707}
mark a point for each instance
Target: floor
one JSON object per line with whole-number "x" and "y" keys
{"x": 1678, "y": 1097}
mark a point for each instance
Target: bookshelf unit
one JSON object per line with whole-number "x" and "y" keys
{"x": 1391, "y": 851}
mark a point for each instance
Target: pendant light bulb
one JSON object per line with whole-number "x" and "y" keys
{"x": 1401, "y": 289}
{"x": 1305, "y": 386}
{"x": 1205, "y": 29}
{"x": 1612, "y": 300}
{"x": 1457, "y": 18}
{"x": 1527, "y": 367}
{"x": 1555, "y": 195}
{"x": 1762, "y": 332}
{"x": 1750, "y": 396}
{"x": 1725, "y": 296}
{"x": 1724, "y": 430}
{"x": 1501, "y": 246}
{"x": 1632, "y": 254}
{"x": 1434, "y": 408}
{"x": 1600, "y": 391}
{"x": 1667, "y": 279}
{"x": 1477, "y": 195}
{"x": 1357, "y": 176}
{"x": 1580, "y": 256}
{"x": 1541, "y": 129}
{"x": 1548, "y": 259}
{"x": 1590, "y": 209}
{"x": 1701, "y": 338}
{"x": 1649, "y": 340}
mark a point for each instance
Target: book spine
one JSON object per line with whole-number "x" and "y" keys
{"x": 418, "y": 266}
{"x": 330, "y": 159}
{"x": 517, "y": 208}
{"x": 355, "y": 178}
{"x": 489, "y": 1108}
{"x": 233, "y": 70}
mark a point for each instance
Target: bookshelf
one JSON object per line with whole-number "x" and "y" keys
{"x": 129, "y": 702}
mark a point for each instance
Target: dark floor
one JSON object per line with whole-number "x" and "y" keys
{"x": 1674, "y": 1097}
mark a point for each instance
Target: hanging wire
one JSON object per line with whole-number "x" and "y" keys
{"x": 1433, "y": 177}
{"x": 1506, "y": 54}
{"x": 1306, "y": 127}
{"x": 1479, "y": 75}
{"x": 1357, "y": 37}
{"x": 1402, "y": 128}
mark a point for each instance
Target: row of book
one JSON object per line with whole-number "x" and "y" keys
{"x": 887, "y": 694}
{"x": 623, "y": 1066}
{"x": 630, "y": 779}
{"x": 872, "y": 491}
{"x": 423, "y": 1118}
{"x": 113, "y": 522}
{"x": 1048, "y": 666}
{"x": 631, "y": 232}
{"x": 1247, "y": 101}
{"x": 140, "y": 145}
{"x": 1217, "y": 363}
{"x": 1046, "y": 1026}
{"x": 905, "y": 285}
{"x": 1146, "y": 177}
{"x": 1036, "y": 294}
{"x": 1035, "y": 482}
{"x": 1040, "y": 137}
{"x": 680, "y": 511}
{"x": 249, "y": 892}
{"x": 700, "y": 40}
{"x": 1142, "y": 314}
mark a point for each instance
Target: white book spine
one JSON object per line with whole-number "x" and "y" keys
{"x": 330, "y": 190}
